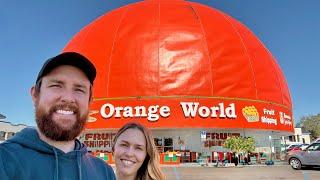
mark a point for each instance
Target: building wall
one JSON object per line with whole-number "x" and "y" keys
{"x": 8, "y": 130}
{"x": 297, "y": 138}
{"x": 215, "y": 138}
{"x": 186, "y": 139}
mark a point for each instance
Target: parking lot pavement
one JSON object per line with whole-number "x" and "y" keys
{"x": 284, "y": 172}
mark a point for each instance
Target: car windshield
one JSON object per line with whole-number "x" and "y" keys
{"x": 314, "y": 147}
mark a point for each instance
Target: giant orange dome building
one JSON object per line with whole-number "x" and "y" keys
{"x": 181, "y": 68}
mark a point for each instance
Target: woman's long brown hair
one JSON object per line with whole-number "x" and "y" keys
{"x": 150, "y": 168}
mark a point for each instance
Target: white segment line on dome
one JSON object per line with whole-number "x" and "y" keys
{"x": 277, "y": 71}
{"x": 189, "y": 97}
{"x": 112, "y": 49}
{"x": 246, "y": 51}
{"x": 158, "y": 22}
{"x": 205, "y": 44}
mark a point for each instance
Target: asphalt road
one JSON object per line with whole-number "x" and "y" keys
{"x": 283, "y": 172}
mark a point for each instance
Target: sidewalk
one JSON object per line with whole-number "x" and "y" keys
{"x": 276, "y": 163}
{"x": 213, "y": 165}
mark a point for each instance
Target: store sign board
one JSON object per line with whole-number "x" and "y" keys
{"x": 97, "y": 140}
{"x": 190, "y": 113}
{"x": 217, "y": 139}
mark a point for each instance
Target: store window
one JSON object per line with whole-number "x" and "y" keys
{"x": 2, "y": 135}
{"x": 159, "y": 144}
{"x": 292, "y": 138}
{"x": 164, "y": 144}
{"x": 168, "y": 144}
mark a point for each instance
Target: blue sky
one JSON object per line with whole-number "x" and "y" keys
{"x": 32, "y": 31}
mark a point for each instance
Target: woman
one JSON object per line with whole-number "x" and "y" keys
{"x": 135, "y": 154}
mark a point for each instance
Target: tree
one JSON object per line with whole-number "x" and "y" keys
{"x": 240, "y": 144}
{"x": 311, "y": 124}
{"x": 248, "y": 144}
{"x": 233, "y": 143}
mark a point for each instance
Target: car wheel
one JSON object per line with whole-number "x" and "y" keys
{"x": 295, "y": 163}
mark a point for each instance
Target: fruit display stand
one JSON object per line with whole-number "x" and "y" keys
{"x": 170, "y": 158}
{"x": 106, "y": 156}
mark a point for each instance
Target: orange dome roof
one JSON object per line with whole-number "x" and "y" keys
{"x": 179, "y": 48}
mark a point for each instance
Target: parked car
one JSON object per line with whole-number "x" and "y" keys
{"x": 299, "y": 147}
{"x": 290, "y": 147}
{"x": 308, "y": 157}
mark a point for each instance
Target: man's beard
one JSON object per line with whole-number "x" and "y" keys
{"x": 53, "y": 130}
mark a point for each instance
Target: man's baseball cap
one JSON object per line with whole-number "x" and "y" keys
{"x": 69, "y": 58}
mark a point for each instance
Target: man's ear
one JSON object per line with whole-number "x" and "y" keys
{"x": 34, "y": 94}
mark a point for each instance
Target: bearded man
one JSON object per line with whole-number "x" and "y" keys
{"x": 61, "y": 97}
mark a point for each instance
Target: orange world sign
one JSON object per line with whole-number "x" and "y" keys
{"x": 190, "y": 113}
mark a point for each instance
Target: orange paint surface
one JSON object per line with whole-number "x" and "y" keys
{"x": 181, "y": 49}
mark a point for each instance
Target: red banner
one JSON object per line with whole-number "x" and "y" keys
{"x": 200, "y": 112}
